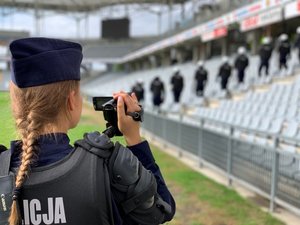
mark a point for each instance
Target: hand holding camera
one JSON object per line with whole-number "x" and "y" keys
{"x": 126, "y": 123}
{"x": 123, "y": 114}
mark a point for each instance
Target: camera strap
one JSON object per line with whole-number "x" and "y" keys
{"x": 137, "y": 116}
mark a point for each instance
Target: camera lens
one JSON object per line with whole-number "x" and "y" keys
{"x": 108, "y": 107}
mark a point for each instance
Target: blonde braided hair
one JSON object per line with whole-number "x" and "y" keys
{"x": 34, "y": 109}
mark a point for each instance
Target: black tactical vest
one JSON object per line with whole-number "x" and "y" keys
{"x": 78, "y": 189}
{"x": 73, "y": 191}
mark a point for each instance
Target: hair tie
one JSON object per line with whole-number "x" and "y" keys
{"x": 16, "y": 193}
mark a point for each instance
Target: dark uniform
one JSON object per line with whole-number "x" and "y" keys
{"x": 224, "y": 73}
{"x": 284, "y": 51}
{"x": 265, "y": 54}
{"x": 297, "y": 45}
{"x": 241, "y": 63}
{"x": 56, "y": 148}
{"x": 158, "y": 90}
{"x": 2, "y": 148}
{"x": 177, "y": 85}
{"x": 138, "y": 89}
{"x": 201, "y": 80}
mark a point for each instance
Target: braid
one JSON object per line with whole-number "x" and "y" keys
{"x": 29, "y": 149}
{"x": 29, "y": 130}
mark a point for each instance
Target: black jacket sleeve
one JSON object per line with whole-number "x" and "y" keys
{"x": 139, "y": 189}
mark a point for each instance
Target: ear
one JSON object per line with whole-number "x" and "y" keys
{"x": 71, "y": 104}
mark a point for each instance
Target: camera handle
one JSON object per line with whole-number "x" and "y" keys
{"x": 110, "y": 131}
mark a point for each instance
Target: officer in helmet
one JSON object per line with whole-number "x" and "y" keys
{"x": 297, "y": 42}
{"x": 241, "y": 63}
{"x": 93, "y": 182}
{"x": 224, "y": 72}
{"x": 265, "y": 54}
{"x": 138, "y": 89}
{"x": 200, "y": 78}
{"x": 177, "y": 84}
{"x": 284, "y": 50}
{"x": 158, "y": 91}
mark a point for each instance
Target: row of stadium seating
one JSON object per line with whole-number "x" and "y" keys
{"x": 260, "y": 117}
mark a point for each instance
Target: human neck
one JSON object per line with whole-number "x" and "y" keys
{"x": 55, "y": 128}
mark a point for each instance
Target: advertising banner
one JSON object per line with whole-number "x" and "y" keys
{"x": 292, "y": 9}
{"x": 215, "y": 34}
{"x": 268, "y": 17}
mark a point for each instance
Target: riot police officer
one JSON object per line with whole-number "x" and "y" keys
{"x": 138, "y": 89}
{"x": 284, "y": 51}
{"x": 265, "y": 54}
{"x": 297, "y": 42}
{"x": 94, "y": 182}
{"x": 158, "y": 91}
{"x": 241, "y": 63}
{"x": 177, "y": 84}
{"x": 224, "y": 72}
{"x": 200, "y": 78}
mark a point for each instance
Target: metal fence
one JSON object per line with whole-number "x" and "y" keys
{"x": 270, "y": 172}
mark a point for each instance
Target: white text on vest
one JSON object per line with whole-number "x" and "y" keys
{"x": 55, "y": 215}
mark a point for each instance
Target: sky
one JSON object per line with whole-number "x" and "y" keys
{"x": 143, "y": 23}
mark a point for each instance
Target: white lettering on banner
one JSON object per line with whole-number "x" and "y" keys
{"x": 292, "y": 9}
{"x": 249, "y": 23}
{"x": 270, "y": 3}
{"x": 266, "y": 18}
{"x": 248, "y": 10}
{"x": 56, "y": 212}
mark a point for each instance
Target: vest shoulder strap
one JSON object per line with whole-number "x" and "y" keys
{"x": 5, "y": 162}
{"x": 2, "y": 148}
{"x": 97, "y": 144}
{"x": 101, "y": 146}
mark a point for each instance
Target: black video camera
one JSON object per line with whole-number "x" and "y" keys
{"x": 108, "y": 105}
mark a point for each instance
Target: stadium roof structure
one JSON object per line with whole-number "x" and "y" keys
{"x": 108, "y": 51}
{"x": 78, "y": 5}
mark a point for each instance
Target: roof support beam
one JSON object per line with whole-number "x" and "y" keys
{"x": 78, "y": 5}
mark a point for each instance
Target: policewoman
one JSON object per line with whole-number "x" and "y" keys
{"x": 93, "y": 182}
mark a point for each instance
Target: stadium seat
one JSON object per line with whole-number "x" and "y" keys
{"x": 291, "y": 130}
{"x": 265, "y": 125}
{"x": 276, "y": 126}
{"x": 255, "y": 122}
{"x": 246, "y": 121}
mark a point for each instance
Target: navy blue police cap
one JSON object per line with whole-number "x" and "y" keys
{"x": 39, "y": 61}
